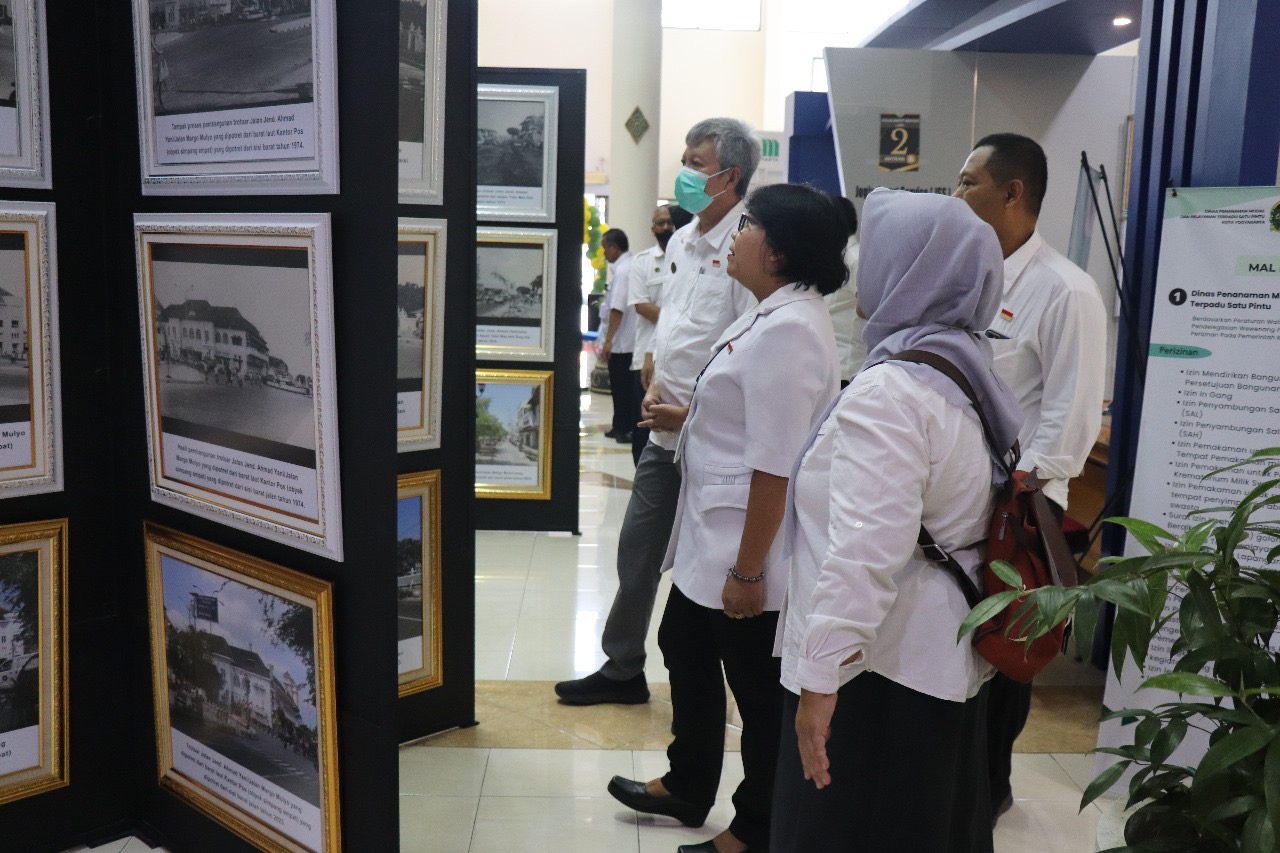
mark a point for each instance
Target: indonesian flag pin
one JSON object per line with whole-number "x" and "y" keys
{"x": 1006, "y": 314}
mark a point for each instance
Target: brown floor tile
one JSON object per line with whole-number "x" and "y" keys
{"x": 1062, "y": 719}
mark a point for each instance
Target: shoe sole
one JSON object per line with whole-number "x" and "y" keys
{"x": 603, "y": 699}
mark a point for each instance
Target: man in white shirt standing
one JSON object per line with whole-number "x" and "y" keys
{"x": 648, "y": 272}
{"x": 1050, "y": 340}
{"x": 620, "y": 333}
{"x": 699, "y": 301}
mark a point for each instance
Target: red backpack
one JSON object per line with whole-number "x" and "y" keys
{"x": 1025, "y": 533}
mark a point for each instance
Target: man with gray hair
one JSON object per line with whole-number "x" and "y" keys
{"x": 699, "y": 302}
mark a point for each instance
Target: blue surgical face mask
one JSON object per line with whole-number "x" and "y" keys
{"x": 691, "y": 189}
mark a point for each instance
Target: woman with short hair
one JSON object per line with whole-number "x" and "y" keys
{"x": 770, "y": 377}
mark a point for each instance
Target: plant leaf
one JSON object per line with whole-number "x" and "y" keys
{"x": 1271, "y": 781}
{"x": 1259, "y": 834}
{"x": 1147, "y": 534}
{"x": 1103, "y": 782}
{"x": 1234, "y": 806}
{"x": 985, "y": 610}
{"x": 1008, "y": 574}
{"x": 1229, "y": 750}
{"x": 1084, "y": 621}
{"x": 1163, "y": 745}
{"x": 1188, "y": 683}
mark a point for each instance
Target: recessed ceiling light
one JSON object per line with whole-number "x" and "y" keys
{"x": 1122, "y": 21}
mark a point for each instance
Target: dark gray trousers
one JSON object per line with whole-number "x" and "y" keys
{"x": 642, "y": 544}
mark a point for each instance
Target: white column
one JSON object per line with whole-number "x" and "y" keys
{"x": 637, "y": 82}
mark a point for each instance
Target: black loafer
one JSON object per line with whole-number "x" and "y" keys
{"x": 597, "y": 689}
{"x": 632, "y": 794}
{"x": 705, "y": 847}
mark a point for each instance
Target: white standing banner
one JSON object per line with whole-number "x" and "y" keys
{"x": 1212, "y": 393}
{"x": 775, "y": 153}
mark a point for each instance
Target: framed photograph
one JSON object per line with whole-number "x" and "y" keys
{"x": 422, "y": 64}
{"x": 236, "y": 312}
{"x": 33, "y": 658}
{"x": 418, "y": 582}
{"x": 236, "y": 98}
{"x": 30, "y": 385}
{"x": 24, "y": 96}
{"x": 420, "y": 332}
{"x": 516, "y": 153}
{"x": 513, "y": 434}
{"x": 515, "y": 294}
{"x": 243, "y": 682}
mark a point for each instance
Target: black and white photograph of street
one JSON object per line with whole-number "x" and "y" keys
{"x": 507, "y": 426}
{"x": 410, "y": 312}
{"x": 19, "y": 640}
{"x": 225, "y": 54}
{"x": 509, "y": 143}
{"x": 409, "y": 582}
{"x": 15, "y": 368}
{"x": 241, "y": 675}
{"x": 8, "y": 66}
{"x": 509, "y": 282}
{"x": 233, "y": 345}
{"x": 413, "y": 69}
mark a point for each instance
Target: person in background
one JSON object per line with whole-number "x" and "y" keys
{"x": 1049, "y": 339}
{"x": 645, "y": 297}
{"x": 699, "y": 301}
{"x": 843, "y": 303}
{"x": 884, "y": 717}
{"x": 619, "y": 336}
{"x": 770, "y": 378}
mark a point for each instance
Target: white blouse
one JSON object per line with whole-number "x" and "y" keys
{"x": 773, "y": 374}
{"x": 892, "y": 453}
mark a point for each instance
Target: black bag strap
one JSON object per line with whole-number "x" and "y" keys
{"x": 1062, "y": 564}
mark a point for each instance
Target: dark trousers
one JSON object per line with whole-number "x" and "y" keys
{"x": 639, "y": 435}
{"x": 1008, "y": 706}
{"x": 625, "y": 411}
{"x": 696, "y": 641}
{"x": 906, "y": 775}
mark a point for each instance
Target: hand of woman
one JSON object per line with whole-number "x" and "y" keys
{"x": 813, "y": 729}
{"x": 664, "y": 417}
{"x": 742, "y": 600}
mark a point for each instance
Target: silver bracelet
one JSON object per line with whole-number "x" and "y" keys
{"x": 733, "y": 573}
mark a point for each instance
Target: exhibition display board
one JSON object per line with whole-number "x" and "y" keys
{"x": 1212, "y": 393}
{"x": 232, "y": 577}
{"x": 528, "y": 297}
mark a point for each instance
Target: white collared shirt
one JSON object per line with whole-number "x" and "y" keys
{"x": 773, "y": 374}
{"x": 619, "y": 300}
{"x": 647, "y": 275}
{"x": 892, "y": 454}
{"x": 1053, "y": 357}
{"x": 699, "y": 302}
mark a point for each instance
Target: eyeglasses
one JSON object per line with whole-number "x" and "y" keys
{"x": 661, "y": 223}
{"x": 747, "y": 219}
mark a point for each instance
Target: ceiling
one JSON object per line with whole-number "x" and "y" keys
{"x": 1011, "y": 26}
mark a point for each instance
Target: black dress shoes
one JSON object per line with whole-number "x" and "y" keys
{"x": 705, "y": 847}
{"x": 631, "y": 793}
{"x": 597, "y": 689}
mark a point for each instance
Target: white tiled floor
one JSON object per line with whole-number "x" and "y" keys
{"x": 541, "y": 602}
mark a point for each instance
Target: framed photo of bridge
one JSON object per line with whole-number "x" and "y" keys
{"x": 236, "y": 314}
{"x": 243, "y": 682}
{"x": 513, "y": 434}
{"x": 516, "y": 153}
{"x": 237, "y": 98}
{"x": 515, "y": 294}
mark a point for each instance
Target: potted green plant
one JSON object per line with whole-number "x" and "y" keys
{"x": 1218, "y": 579}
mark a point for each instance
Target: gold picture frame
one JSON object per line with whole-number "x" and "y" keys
{"x": 420, "y": 655}
{"x": 513, "y": 434}
{"x": 33, "y": 684}
{"x": 243, "y": 678}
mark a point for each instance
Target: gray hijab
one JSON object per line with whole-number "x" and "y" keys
{"x": 930, "y": 277}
